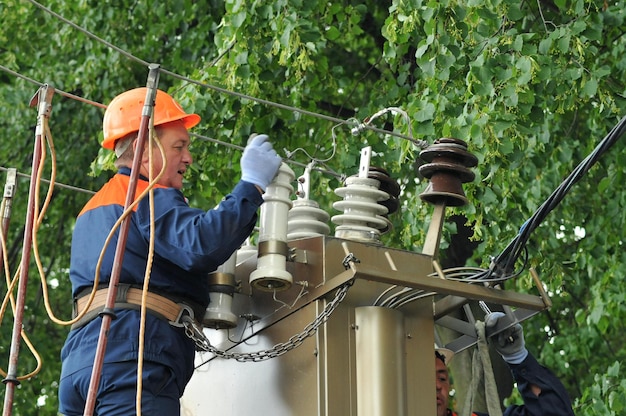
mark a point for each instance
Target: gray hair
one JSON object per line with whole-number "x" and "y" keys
{"x": 125, "y": 151}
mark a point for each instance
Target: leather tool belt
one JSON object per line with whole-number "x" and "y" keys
{"x": 129, "y": 297}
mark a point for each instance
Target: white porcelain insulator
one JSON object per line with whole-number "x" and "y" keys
{"x": 246, "y": 252}
{"x": 306, "y": 219}
{"x": 271, "y": 273}
{"x": 362, "y": 217}
{"x": 219, "y": 314}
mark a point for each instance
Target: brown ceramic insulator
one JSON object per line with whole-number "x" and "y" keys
{"x": 447, "y": 168}
{"x": 388, "y": 185}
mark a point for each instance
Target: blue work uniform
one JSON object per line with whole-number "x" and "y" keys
{"x": 553, "y": 400}
{"x": 189, "y": 243}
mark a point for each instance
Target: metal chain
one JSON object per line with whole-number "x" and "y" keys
{"x": 194, "y": 331}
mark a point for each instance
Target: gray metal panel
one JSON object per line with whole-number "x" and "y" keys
{"x": 380, "y": 362}
{"x": 284, "y": 386}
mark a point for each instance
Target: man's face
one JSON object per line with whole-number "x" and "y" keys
{"x": 443, "y": 387}
{"x": 175, "y": 141}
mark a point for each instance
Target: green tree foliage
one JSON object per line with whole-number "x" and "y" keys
{"x": 531, "y": 86}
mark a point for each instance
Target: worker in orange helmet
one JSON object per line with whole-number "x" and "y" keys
{"x": 189, "y": 243}
{"x": 542, "y": 392}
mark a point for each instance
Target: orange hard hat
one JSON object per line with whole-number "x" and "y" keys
{"x": 123, "y": 114}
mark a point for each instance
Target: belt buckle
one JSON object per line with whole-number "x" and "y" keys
{"x": 184, "y": 310}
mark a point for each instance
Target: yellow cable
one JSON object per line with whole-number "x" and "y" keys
{"x": 11, "y": 283}
{"x": 146, "y": 281}
{"x": 118, "y": 223}
{"x": 38, "y": 220}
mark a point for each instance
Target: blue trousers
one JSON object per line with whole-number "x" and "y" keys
{"x": 117, "y": 394}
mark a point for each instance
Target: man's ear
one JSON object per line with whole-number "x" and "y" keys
{"x": 144, "y": 156}
{"x": 135, "y": 144}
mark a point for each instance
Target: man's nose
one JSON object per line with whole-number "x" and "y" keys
{"x": 187, "y": 158}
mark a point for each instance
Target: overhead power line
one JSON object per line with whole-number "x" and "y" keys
{"x": 210, "y": 86}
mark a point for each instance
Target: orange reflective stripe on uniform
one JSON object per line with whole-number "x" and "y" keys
{"x": 115, "y": 193}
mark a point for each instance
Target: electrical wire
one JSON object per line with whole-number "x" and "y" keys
{"x": 411, "y": 297}
{"x": 360, "y": 126}
{"x": 206, "y": 85}
{"x": 56, "y": 184}
{"x": 422, "y": 144}
{"x": 60, "y": 92}
{"x": 502, "y": 266}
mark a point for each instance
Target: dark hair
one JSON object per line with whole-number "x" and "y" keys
{"x": 440, "y": 356}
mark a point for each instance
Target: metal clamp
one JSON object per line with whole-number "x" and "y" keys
{"x": 185, "y": 310}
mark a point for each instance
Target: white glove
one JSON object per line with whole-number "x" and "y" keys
{"x": 510, "y": 342}
{"x": 259, "y": 162}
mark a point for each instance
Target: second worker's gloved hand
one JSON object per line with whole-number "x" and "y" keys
{"x": 510, "y": 342}
{"x": 259, "y": 162}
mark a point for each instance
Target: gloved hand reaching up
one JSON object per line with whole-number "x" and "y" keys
{"x": 259, "y": 162}
{"x": 510, "y": 342}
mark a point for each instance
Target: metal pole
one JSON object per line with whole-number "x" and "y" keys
{"x": 43, "y": 99}
{"x": 108, "y": 313}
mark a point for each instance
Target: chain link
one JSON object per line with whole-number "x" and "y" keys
{"x": 194, "y": 331}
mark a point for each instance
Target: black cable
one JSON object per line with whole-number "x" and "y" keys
{"x": 504, "y": 263}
